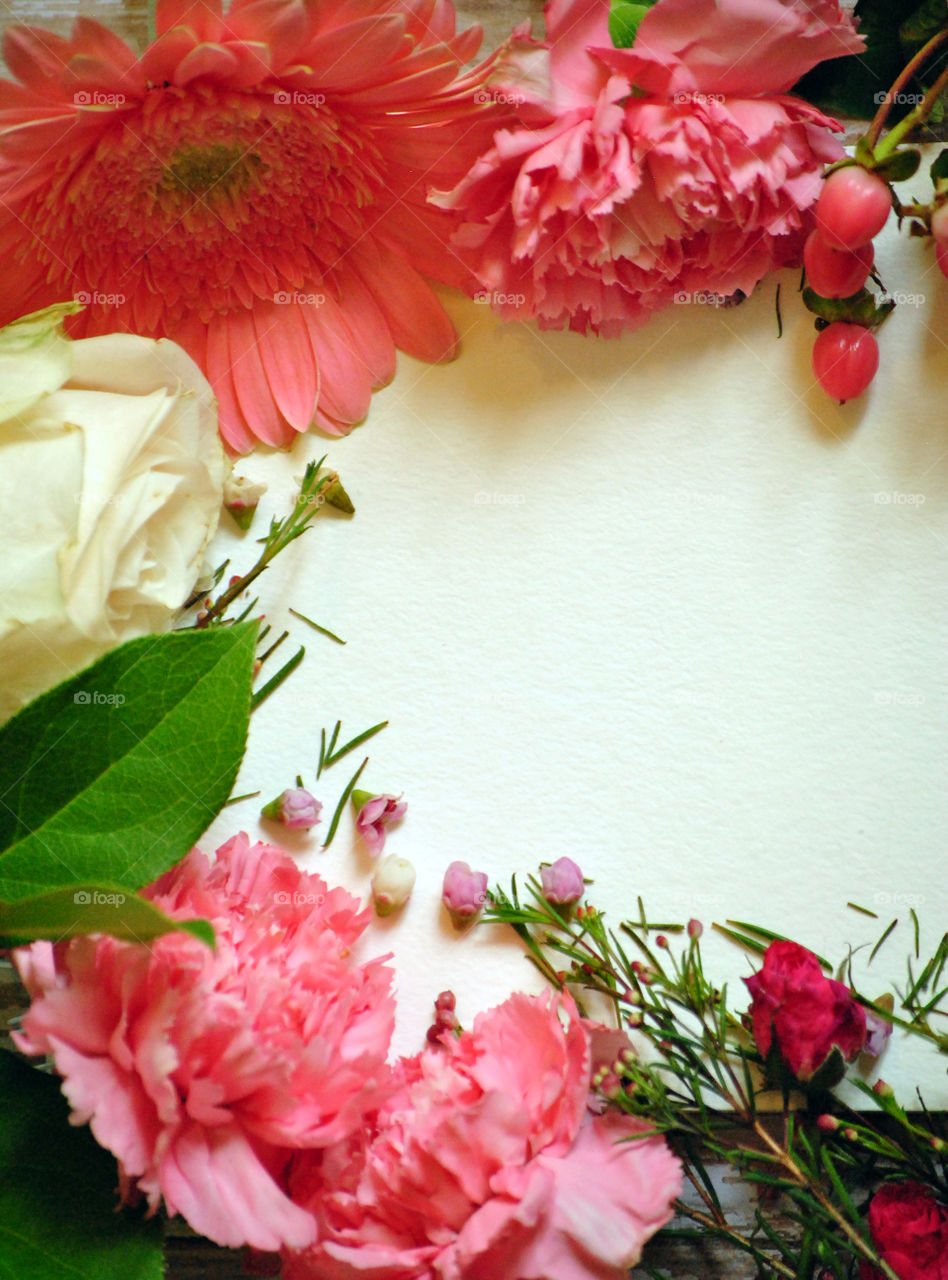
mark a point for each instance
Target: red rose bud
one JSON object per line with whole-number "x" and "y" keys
{"x": 562, "y": 882}
{"x": 909, "y": 1230}
{"x": 294, "y": 808}
{"x": 803, "y": 1016}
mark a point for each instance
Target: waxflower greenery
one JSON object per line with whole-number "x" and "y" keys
{"x": 860, "y": 1188}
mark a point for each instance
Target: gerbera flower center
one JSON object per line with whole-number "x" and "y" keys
{"x": 196, "y": 171}
{"x": 208, "y": 200}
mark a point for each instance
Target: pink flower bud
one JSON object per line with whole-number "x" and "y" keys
{"x": 241, "y": 497}
{"x": 295, "y": 808}
{"x": 695, "y": 928}
{"x": 562, "y": 882}
{"x": 374, "y": 814}
{"x": 464, "y": 892}
{"x": 392, "y": 884}
{"x": 827, "y": 1123}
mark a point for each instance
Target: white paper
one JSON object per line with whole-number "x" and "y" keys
{"x": 654, "y": 603}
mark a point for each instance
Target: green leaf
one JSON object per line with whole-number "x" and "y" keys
{"x": 900, "y": 165}
{"x": 58, "y": 1219}
{"x": 939, "y": 166}
{"x": 624, "y": 19}
{"x": 115, "y": 774}
{"x": 855, "y": 86}
{"x": 927, "y": 20}
{"x": 91, "y": 908}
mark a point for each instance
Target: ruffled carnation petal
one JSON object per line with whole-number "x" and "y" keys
{"x": 203, "y": 1071}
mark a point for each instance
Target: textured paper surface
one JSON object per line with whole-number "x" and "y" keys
{"x": 655, "y": 603}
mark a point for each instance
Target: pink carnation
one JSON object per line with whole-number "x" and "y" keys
{"x": 604, "y": 207}
{"x": 203, "y": 1071}
{"x": 486, "y": 1161}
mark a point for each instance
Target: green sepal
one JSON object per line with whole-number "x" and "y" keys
{"x": 861, "y": 308}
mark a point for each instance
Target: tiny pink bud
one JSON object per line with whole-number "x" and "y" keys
{"x": 938, "y": 1144}
{"x": 373, "y": 815}
{"x": 661, "y": 941}
{"x": 610, "y": 1085}
{"x": 464, "y": 892}
{"x": 446, "y": 1000}
{"x": 883, "y": 1090}
{"x": 294, "y": 808}
{"x": 827, "y": 1123}
{"x": 392, "y": 884}
{"x": 562, "y": 882}
{"x": 695, "y": 928}
{"x": 447, "y": 1019}
{"x": 850, "y": 1134}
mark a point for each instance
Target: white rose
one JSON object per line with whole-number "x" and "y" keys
{"x": 111, "y": 481}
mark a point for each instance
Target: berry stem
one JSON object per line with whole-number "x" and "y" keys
{"x": 919, "y": 113}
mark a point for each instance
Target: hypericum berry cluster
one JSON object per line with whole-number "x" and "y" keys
{"x": 445, "y": 1018}
{"x": 852, "y": 209}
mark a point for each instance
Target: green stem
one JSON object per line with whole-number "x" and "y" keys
{"x": 730, "y": 1233}
{"x": 152, "y": 21}
{"x": 807, "y": 1184}
{"x": 904, "y": 76}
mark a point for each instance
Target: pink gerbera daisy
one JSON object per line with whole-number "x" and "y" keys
{"x": 253, "y": 186}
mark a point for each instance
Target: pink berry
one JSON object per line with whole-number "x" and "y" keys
{"x": 853, "y": 207}
{"x": 845, "y": 359}
{"x": 940, "y": 224}
{"x": 836, "y": 273}
{"x": 941, "y": 257}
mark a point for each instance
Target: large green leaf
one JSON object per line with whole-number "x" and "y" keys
{"x": 91, "y": 908}
{"x": 114, "y": 774}
{"x": 57, "y": 1193}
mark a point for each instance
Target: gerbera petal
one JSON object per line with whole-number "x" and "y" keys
{"x": 92, "y": 39}
{"x": 345, "y": 385}
{"x": 281, "y": 24}
{"x": 160, "y": 60}
{"x": 284, "y": 346}
{"x": 253, "y": 63}
{"x": 35, "y": 56}
{"x": 254, "y": 395}
{"x": 355, "y": 54}
{"x": 233, "y": 426}
{"x": 203, "y": 17}
{"x": 208, "y": 61}
{"x": 365, "y": 318}
{"x": 418, "y": 322}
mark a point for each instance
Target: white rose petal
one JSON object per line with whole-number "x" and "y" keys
{"x": 110, "y": 490}
{"x": 35, "y": 357}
